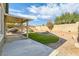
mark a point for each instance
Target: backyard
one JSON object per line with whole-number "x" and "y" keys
{"x": 44, "y": 38}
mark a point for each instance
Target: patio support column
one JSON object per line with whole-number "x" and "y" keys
{"x": 21, "y": 27}
{"x": 27, "y": 30}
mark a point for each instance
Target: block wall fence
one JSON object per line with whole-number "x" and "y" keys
{"x": 66, "y": 27}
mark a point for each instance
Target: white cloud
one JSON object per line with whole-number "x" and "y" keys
{"x": 40, "y": 10}
{"x": 44, "y": 12}
{"x": 14, "y": 10}
{"x": 69, "y": 7}
{"x": 24, "y": 15}
{"x": 44, "y": 16}
{"x": 33, "y": 9}
{"x": 53, "y": 9}
{"x": 31, "y": 16}
{"x": 50, "y": 10}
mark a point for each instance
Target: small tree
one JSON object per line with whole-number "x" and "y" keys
{"x": 50, "y": 24}
{"x": 42, "y": 24}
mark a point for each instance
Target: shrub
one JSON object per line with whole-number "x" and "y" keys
{"x": 50, "y": 24}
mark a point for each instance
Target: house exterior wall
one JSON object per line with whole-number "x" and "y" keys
{"x": 0, "y": 20}
{"x": 1, "y": 28}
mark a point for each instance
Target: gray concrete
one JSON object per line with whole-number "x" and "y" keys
{"x": 26, "y": 47}
{"x": 1, "y": 43}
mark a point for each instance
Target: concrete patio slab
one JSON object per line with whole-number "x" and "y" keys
{"x": 26, "y": 47}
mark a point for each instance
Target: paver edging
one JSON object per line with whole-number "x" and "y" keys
{"x": 54, "y": 53}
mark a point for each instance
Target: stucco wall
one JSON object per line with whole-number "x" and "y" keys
{"x": 1, "y": 29}
{"x": 0, "y": 20}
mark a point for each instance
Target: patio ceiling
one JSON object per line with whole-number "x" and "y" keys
{"x": 15, "y": 19}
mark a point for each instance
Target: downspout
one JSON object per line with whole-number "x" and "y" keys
{"x": 6, "y": 8}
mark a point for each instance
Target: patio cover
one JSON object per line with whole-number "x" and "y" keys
{"x": 16, "y": 19}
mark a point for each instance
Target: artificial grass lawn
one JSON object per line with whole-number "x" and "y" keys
{"x": 45, "y": 39}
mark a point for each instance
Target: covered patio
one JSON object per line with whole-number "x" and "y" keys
{"x": 16, "y": 22}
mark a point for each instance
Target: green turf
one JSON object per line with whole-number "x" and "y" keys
{"x": 45, "y": 39}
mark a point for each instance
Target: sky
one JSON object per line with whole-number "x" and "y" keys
{"x": 41, "y": 12}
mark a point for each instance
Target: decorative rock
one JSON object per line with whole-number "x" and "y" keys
{"x": 77, "y": 45}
